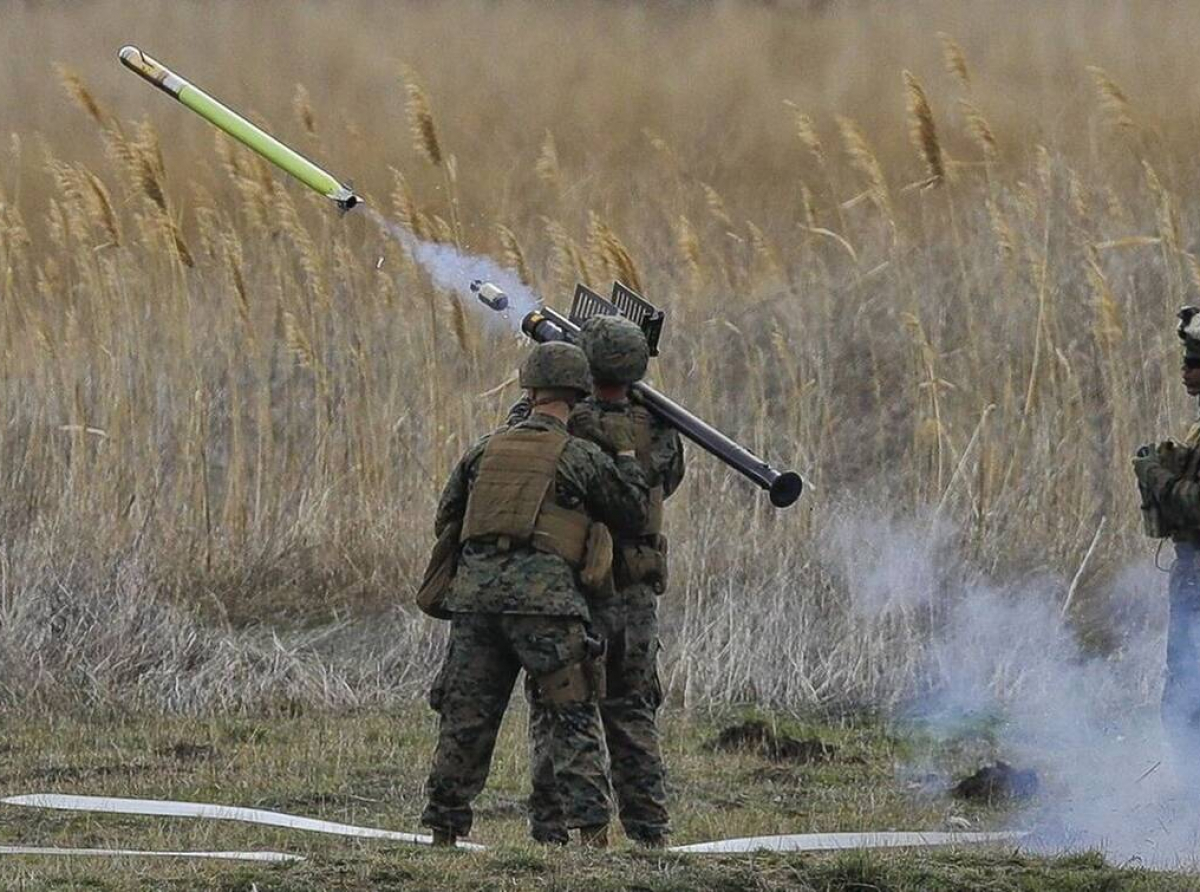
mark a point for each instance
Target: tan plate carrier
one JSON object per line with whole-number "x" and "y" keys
{"x": 511, "y": 504}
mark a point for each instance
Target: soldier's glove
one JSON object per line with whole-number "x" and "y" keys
{"x": 1151, "y": 474}
{"x": 611, "y": 431}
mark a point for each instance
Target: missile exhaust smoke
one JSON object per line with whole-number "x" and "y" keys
{"x": 496, "y": 288}
{"x": 497, "y": 293}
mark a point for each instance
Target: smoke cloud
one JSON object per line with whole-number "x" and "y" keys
{"x": 1002, "y": 657}
{"x": 453, "y": 271}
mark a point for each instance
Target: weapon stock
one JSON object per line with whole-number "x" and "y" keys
{"x": 784, "y": 487}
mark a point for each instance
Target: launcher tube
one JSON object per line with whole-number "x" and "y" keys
{"x": 784, "y": 487}
{"x": 224, "y": 118}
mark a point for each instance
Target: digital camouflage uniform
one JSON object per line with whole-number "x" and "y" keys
{"x": 629, "y": 624}
{"x": 517, "y": 606}
{"x": 1169, "y": 480}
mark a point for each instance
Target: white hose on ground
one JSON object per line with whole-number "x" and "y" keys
{"x": 135, "y": 853}
{"x": 169, "y": 809}
{"x": 831, "y": 842}
{"x": 802, "y": 842}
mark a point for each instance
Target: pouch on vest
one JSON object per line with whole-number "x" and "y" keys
{"x": 439, "y": 573}
{"x": 639, "y": 563}
{"x": 596, "y": 574}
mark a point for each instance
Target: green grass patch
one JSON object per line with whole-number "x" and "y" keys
{"x": 369, "y": 769}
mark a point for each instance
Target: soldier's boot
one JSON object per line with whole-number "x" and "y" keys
{"x": 444, "y": 839}
{"x": 594, "y": 836}
{"x": 554, "y": 837}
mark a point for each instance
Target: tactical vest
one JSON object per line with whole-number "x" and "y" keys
{"x": 641, "y": 558}
{"x": 511, "y": 502}
{"x": 1190, "y": 471}
{"x": 643, "y": 439}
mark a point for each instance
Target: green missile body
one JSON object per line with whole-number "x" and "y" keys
{"x": 239, "y": 128}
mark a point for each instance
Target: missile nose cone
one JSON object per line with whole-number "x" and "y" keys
{"x": 151, "y": 69}
{"x": 131, "y": 57}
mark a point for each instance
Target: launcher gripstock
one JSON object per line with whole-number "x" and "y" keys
{"x": 547, "y": 324}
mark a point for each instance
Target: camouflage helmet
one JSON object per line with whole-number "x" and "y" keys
{"x": 1189, "y": 331}
{"x": 556, "y": 364}
{"x": 616, "y": 349}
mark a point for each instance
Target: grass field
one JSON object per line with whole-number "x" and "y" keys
{"x": 929, "y": 254}
{"x": 368, "y": 769}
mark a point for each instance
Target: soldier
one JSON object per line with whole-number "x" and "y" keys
{"x": 1168, "y": 477}
{"x": 530, "y": 499}
{"x": 618, "y": 355}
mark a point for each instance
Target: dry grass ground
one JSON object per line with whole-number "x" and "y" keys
{"x": 368, "y": 769}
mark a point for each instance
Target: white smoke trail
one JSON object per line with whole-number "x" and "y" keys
{"x": 1002, "y": 657}
{"x": 453, "y": 271}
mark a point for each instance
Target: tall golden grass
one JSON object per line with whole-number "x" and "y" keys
{"x": 928, "y": 253}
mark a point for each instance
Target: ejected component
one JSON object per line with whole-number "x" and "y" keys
{"x": 547, "y": 324}
{"x": 252, "y": 137}
{"x": 490, "y": 295}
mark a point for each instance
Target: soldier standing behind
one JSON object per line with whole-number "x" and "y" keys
{"x": 618, "y": 355}
{"x": 528, "y": 499}
{"x": 1168, "y": 477}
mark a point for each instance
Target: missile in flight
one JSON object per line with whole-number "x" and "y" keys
{"x": 252, "y": 137}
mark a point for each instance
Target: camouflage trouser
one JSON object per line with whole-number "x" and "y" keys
{"x": 1181, "y": 691}
{"x": 629, "y": 708}
{"x": 486, "y": 654}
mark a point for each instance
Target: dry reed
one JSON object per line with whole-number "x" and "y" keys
{"x": 226, "y": 408}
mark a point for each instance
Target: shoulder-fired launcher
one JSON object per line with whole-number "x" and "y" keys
{"x": 547, "y": 324}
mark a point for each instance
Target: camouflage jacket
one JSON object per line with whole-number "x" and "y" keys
{"x": 522, "y": 580}
{"x": 664, "y": 466}
{"x": 1179, "y": 500}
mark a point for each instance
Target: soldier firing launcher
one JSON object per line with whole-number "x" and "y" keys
{"x": 547, "y": 324}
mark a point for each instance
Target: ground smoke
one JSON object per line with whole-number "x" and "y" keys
{"x": 1005, "y": 658}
